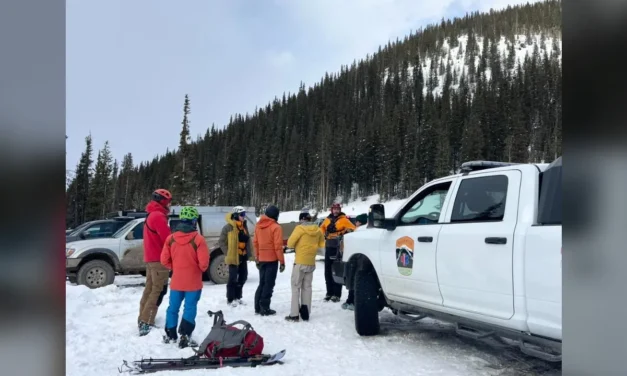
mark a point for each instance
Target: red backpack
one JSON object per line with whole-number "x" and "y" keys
{"x": 225, "y": 340}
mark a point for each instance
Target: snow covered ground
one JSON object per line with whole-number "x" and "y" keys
{"x": 101, "y": 331}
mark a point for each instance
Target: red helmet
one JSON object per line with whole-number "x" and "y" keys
{"x": 162, "y": 196}
{"x": 336, "y": 205}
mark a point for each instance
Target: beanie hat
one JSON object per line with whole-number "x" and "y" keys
{"x": 272, "y": 212}
{"x": 362, "y": 218}
{"x": 304, "y": 215}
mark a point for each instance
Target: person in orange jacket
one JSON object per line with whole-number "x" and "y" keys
{"x": 334, "y": 227}
{"x": 268, "y": 244}
{"x": 185, "y": 253}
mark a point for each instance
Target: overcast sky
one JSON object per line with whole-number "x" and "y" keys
{"x": 130, "y": 63}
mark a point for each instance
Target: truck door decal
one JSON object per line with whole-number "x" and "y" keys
{"x": 405, "y": 255}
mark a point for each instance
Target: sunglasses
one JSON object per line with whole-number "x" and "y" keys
{"x": 242, "y": 214}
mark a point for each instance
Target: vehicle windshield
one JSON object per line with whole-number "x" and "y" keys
{"x": 78, "y": 230}
{"x": 124, "y": 228}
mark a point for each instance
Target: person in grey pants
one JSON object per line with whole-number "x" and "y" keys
{"x": 306, "y": 240}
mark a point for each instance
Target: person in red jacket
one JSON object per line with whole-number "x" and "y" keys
{"x": 185, "y": 252}
{"x": 156, "y": 231}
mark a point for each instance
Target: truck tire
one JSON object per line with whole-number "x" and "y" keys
{"x": 95, "y": 274}
{"x": 218, "y": 270}
{"x": 366, "y": 303}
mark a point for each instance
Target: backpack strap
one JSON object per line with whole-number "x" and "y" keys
{"x": 146, "y": 224}
{"x": 191, "y": 242}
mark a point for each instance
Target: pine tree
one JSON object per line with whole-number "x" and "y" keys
{"x": 183, "y": 184}
{"x": 101, "y": 185}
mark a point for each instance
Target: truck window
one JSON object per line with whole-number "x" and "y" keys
{"x": 425, "y": 208}
{"x": 550, "y": 200}
{"x": 138, "y": 232}
{"x": 481, "y": 199}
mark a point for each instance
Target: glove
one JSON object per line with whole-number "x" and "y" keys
{"x": 257, "y": 264}
{"x": 282, "y": 268}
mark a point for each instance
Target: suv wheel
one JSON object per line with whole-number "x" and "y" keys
{"x": 219, "y": 271}
{"x": 96, "y": 273}
{"x": 366, "y": 303}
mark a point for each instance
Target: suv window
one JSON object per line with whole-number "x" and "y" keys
{"x": 426, "y": 208}
{"x": 138, "y": 232}
{"x": 481, "y": 199}
{"x": 92, "y": 231}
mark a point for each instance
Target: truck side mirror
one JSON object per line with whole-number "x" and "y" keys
{"x": 376, "y": 216}
{"x": 82, "y": 236}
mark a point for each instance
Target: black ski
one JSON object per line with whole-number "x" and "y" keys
{"x": 195, "y": 362}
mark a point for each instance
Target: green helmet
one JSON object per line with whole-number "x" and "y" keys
{"x": 189, "y": 213}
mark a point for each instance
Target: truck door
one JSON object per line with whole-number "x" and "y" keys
{"x": 408, "y": 252}
{"x": 475, "y": 247}
{"x": 132, "y": 248}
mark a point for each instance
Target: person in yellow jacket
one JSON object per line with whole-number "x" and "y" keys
{"x": 333, "y": 228}
{"x": 306, "y": 240}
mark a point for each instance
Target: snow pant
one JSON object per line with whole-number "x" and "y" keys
{"x": 302, "y": 275}
{"x": 333, "y": 289}
{"x": 188, "y": 322}
{"x": 156, "y": 279}
{"x": 237, "y": 277}
{"x": 267, "y": 279}
{"x": 351, "y": 297}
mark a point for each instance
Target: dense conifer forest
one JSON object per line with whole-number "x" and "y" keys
{"x": 486, "y": 86}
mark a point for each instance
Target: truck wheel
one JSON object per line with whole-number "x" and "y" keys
{"x": 96, "y": 273}
{"x": 218, "y": 270}
{"x": 366, "y": 303}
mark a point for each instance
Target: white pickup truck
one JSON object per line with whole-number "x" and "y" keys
{"x": 480, "y": 249}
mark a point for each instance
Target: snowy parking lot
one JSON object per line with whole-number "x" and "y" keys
{"x": 101, "y": 332}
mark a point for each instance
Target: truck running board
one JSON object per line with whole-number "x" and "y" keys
{"x": 472, "y": 333}
{"x": 532, "y": 350}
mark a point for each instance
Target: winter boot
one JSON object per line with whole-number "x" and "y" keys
{"x": 292, "y": 318}
{"x": 144, "y": 329}
{"x": 170, "y": 335}
{"x": 184, "y": 341}
{"x": 327, "y": 298}
{"x": 335, "y": 299}
{"x": 304, "y": 312}
{"x": 240, "y": 302}
{"x": 348, "y": 306}
{"x": 267, "y": 312}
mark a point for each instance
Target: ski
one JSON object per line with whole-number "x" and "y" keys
{"x": 195, "y": 362}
